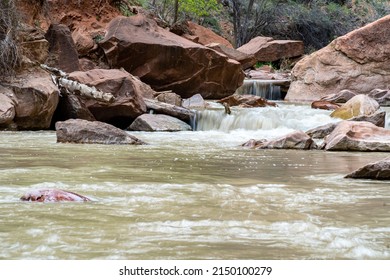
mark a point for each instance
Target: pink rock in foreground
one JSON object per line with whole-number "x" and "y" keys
{"x": 52, "y": 195}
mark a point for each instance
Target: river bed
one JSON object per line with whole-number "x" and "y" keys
{"x": 193, "y": 195}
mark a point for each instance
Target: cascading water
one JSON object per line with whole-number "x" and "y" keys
{"x": 268, "y": 89}
{"x": 269, "y": 119}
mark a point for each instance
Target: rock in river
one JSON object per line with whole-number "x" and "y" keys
{"x": 52, "y": 195}
{"x": 87, "y": 132}
{"x": 358, "y": 136}
{"x": 379, "y": 170}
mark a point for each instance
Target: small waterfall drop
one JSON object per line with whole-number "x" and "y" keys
{"x": 290, "y": 117}
{"x": 268, "y": 89}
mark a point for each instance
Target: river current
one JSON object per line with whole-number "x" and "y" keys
{"x": 193, "y": 195}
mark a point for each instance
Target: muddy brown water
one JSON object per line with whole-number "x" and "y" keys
{"x": 193, "y": 195}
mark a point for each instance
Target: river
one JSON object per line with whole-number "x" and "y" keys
{"x": 193, "y": 195}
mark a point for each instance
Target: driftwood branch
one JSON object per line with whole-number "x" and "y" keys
{"x": 171, "y": 110}
{"x": 60, "y": 78}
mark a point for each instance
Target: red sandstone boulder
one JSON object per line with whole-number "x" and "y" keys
{"x": 246, "y": 60}
{"x": 358, "y": 61}
{"x": 379, "y": 170}
{"x": 166, "y": 61}
{"x": 53, "y": 195}
{"x": 62, "y": 50}
{"x": 324, "y": 105}
{"x": 341, "y": 97}
{"x": 127, "y": 90}
{"x": 358, "y": 136}
{"x": 206, "y": 36}
{"x": 84, "y": 43}
{"x": 86, "y": 132}
{"x": 294, "y": 140}
{"x": 7, "y": 108}
{"x": 170, "y": 98}
{"x": 267, "y": 49}
{"x": 35, "y": 99}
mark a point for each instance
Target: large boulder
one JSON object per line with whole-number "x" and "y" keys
{"x": 127, "y": 90}
{"x": 341, "y": 97}
{"x": 206, "y": 36}
{"x": 35, "y": 98}
{"x": 62, "y": 51}
{"x": 7, "y": 108}
{"x": 379, "y": 170}
{"x": 294, "y": 140}
{"x": 358, "y": 136}
{"x": 378, "y": 119}
{"x": 167, "y": 61}
{"x": 246, "y": 60}
{"x": 358, "y": 61}
{"x": 159, "y": 122}
{"x": 86, "y": 132}
{"x": 359, "y": 105}
{"x": 382, "y": 96}
{"x": 266, "y": 49}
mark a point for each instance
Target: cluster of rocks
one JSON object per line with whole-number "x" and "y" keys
{"x": 361, "y": 128}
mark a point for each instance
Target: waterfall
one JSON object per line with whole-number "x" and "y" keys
{"x": 293, "y": 117}
{"x": 268, "y": 89}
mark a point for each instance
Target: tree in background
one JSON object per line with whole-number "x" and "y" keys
{"x": 172, "y": 11}
{"x": 9, "y": 53}
{"x": 250, "y": 17}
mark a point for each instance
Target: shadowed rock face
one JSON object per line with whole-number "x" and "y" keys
{"x": 52, "y": 195}
{"x": 166, "y": 61}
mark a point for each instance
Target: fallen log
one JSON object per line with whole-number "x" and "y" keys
{"x": 60, "y": 78}
{"x": 170, "y": 110}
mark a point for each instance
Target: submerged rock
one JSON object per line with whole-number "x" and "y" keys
{"x": 52, "y": 195}
{"x": 379, "y": 170}
{"x": 358, "y": 136}
{"x": 158, "y": 122}
{"x": 87, "y": 132}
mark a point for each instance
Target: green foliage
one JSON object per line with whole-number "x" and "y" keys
{"x": 196, "y": 10}
{"x": 199, "y": 8}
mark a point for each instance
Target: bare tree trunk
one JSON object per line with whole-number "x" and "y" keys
{"x": 176, "y": 12}
{"x": 60, "y": 78}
